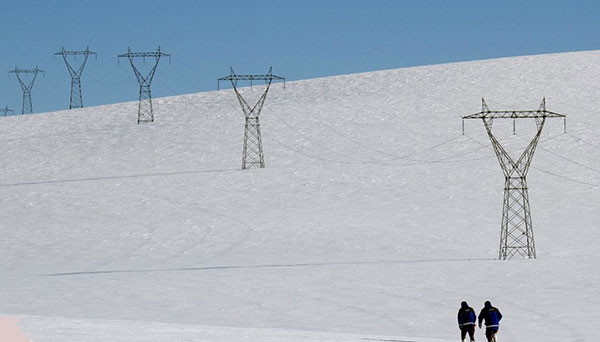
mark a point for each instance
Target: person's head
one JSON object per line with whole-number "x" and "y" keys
{"x": 487, "y": 304}
{"x": 464, "y": 305}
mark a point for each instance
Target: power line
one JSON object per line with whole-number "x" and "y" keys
{"x": 308, "y": 155}
{"x": 583, "y": 141}
{"x": 567, "y": 159}
{"x": 383, "y": 162}
{"x": 543, "y": 170}
{"x": 308, "y": 138}
{"x": 358, "y": 162}
{"x": 387, "y": 161}
{"x": 566, "y": 178}
{"x": 394, "y": 157}
{"x": 196, "y": 87}
{"x": 110, "y": 73}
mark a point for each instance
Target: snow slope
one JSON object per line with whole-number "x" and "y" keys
{"x": 374, "y": 216}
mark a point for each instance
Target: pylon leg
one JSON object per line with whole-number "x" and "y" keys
{"x": 145, "y": 113}
{"x": 27, "y": 107}
{"x": 516, "y": 236}
{"x": 76, "y": 97}
{"x": 252, "y": 156}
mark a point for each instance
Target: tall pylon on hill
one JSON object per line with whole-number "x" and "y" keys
{"x": 76, "y": 96}
{"x": 252, "y": 155}
{"x": 6, "y": 110}
{"x": 516, "y": 237}
{"x": 145, "y": 112}
{"x": 26, "y": 108}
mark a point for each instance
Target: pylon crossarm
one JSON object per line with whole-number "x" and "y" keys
{"x": 156, "y": 55}
{"x": 251, "y": 78}
{"x": 26, "y": 71}
{"x": 266, "y": 77}
{"x": 234, "y": 78}
{"x": 514, "y": 114}
{"x": 85, "y": 52}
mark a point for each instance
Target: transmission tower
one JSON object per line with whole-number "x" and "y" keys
{"x": 145, "y": 113}
{"x": 26, "y": 86}
{"x": 6, "y": 110}
{"x": 253, "y": 151}
{"x": 516, "y": 236}
{"x": 76, "y": 97}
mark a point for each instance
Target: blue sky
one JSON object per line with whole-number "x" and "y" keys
{"x": 300, "y": 39}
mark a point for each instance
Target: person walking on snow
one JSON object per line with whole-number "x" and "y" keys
{"x": 466, "y": 321}
{"x": 492, "y": 317}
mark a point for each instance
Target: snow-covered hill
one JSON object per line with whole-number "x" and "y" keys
{"x": 373, "y": 217}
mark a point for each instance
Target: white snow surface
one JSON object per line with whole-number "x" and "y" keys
{"x": 373, "y": 219}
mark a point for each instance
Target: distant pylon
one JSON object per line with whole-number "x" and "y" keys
{"x": 145, "y": 113}
{"x": 252, "y": 155}
{"x": 26, "y": 87}
{"x": 6, "y": 110}
{"x": 76, "y": 100}
{"x": 516, "y": 236}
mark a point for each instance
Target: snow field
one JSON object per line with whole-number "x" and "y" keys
{"x": 373, "y": 217}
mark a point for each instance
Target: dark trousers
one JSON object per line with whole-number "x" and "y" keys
{"x": 468, "y": 328}
{"x": 490, "y": 333}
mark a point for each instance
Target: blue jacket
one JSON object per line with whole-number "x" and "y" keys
{"x": 491, "y": 315}
{"x": 466, "y": 316}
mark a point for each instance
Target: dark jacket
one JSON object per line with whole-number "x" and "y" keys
{"x": 466, "y": 315}
{"x": 491, "y": 315}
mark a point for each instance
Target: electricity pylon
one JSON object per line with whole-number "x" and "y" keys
{"x": 252, "y": 155}
{"x": 76, "y": 97}
{"x": 516, "y": 236}
{"x": 145, "y": 113}
{"x": 6, "y": 110}
{"x": 26, "y": 87}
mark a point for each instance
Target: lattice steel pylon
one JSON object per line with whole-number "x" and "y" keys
{"x": 26, "y": 87}
{"x": 76, "y": 100}
{"x": 145, "y": 113}
{"x": 252, "y": 155}
{"x": 516, "y": 236}
{"x": 6, "y": 110}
